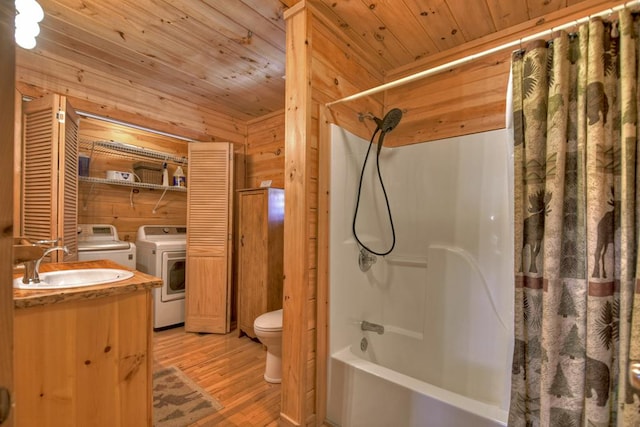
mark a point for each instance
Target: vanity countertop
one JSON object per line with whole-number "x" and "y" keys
{"x": 24, "y": 298}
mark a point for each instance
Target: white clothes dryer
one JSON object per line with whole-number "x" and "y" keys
{"x": 162, "y": 252}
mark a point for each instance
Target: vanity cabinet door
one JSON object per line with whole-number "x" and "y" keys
{"x": 85, "y": 362}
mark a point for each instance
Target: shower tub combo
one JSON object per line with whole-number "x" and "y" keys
{"x": 423, "y": 337}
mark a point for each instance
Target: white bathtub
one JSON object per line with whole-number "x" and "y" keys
{"x": 444, "y": 295}
{"x": 366, "y": 394}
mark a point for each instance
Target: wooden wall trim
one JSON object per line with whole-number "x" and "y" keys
{"x": 322, "y": 297}
{"x": 296, "y": 230}
{"x": 7, "y": 118}
{"x": 17, "y": 158}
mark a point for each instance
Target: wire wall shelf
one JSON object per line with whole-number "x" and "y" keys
{"x": 111, "y": 147}
{"x": 132, "y": 184}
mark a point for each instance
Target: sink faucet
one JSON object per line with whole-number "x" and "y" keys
{"x": 32, "y": 255}
{"x": 374, "y": 327}
{"x": 34, "y": 275}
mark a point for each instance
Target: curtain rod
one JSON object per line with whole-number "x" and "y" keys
{"x": 131, "y": 125}
{"x": 455, "y": 63}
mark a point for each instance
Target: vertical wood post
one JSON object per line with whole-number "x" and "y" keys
{"x": 322, "y": 296}
{"x": 7, "y": 95}
{"x": 297, "y": 206}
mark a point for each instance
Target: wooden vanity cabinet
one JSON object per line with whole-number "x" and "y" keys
{"x": 260, "y": 252}
{"x": 86, "y": 362}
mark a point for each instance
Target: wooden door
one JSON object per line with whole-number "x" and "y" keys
{"x": 7, "y": 93}
{"x": 252, "y": 260}
{"x": 50, "y": 173}
{"x": 209, "y": 237}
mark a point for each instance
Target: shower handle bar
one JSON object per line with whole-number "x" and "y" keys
{"x": 373, "y": 327}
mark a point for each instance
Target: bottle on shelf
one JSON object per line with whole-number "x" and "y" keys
{"x": 179, "y": 179}
{"x": 165, "y": 175}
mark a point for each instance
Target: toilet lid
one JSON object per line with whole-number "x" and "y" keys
{"x": 271, "y": 321}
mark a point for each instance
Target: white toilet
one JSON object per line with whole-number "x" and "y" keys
{"x": 268, "y": 329}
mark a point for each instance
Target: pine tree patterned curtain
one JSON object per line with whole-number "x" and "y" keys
{"x": 577, "y": 201}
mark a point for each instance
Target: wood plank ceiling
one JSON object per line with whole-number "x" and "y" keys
{"x": 229, "y": 55}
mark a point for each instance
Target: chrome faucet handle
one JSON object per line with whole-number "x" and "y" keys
{"x": 365, "y": 260}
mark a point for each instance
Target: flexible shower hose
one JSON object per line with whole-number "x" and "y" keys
{"x": 384, "y": 191}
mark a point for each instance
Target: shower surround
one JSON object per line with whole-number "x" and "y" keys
{"x": 444, "y": 296}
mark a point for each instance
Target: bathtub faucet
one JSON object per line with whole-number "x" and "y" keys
{"x": 374, "y": 327}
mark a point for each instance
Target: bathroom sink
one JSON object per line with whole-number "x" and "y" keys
{"x": 75, "y": 278}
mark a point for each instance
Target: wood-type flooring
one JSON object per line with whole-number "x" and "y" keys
{"x": 230, "y": 368}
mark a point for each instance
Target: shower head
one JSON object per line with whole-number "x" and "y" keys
{"x": 387, "y": 124}
{"x": 390, "y": 120}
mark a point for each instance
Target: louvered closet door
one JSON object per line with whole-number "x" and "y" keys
{"x": 209, "y": 199}
{"x": 49, "y": 173}
{"x": 68, "y": 184}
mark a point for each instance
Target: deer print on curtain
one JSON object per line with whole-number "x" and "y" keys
{"x": 533, "y": 227}
{"x": 607, "y": 226}
{"x": 576, "y": 231}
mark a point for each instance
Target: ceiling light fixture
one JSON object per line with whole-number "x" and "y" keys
{"x": 29, "y": 13}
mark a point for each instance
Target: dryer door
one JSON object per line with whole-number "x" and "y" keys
{"x": 173, "y": 275}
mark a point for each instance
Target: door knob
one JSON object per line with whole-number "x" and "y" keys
{"x": 5, "y": 404}
{"x": 634, "y": 374}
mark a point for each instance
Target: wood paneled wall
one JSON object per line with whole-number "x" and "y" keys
{"x": 124, "y": 207}
{"x": 265, "y": 151}
{"x": 468, "y": 99}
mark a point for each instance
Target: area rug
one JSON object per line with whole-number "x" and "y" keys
{"x": 178, "y": 401}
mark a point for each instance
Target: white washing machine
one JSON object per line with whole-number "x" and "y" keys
{"x": 162, "y": 252}
{"x": 101, "y": 241}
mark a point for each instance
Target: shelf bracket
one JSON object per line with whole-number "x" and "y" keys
{"x": 85, "y": 202}
{"x": 159, "y": 200}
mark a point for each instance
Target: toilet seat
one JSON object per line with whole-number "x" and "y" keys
{"x": 269, "y": 322}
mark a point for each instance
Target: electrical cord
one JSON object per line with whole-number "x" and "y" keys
{"x": 384, "y": 191}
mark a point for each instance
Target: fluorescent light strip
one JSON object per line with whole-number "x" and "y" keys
{"x": 118, "y": 122}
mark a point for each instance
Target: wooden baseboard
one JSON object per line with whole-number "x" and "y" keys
{"x": 285, "y": 421}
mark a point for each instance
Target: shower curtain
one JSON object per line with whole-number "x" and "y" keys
{"x": 577, "y": 214}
